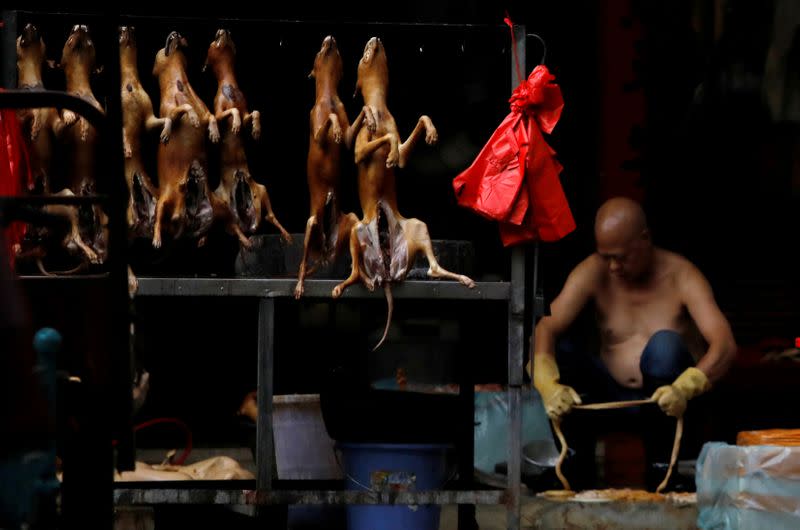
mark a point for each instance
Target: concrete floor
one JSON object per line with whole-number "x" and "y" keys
{"x": 488, "y": 517}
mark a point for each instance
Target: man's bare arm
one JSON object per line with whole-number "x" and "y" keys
{"x": 577, "y": 290}
{"x": 713, "y": 325}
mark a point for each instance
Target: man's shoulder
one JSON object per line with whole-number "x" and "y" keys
{"x": 590, "y": 262}
{"x": 677, "y": 265}
{"x": 591, "y": 268}
{"x": 674, "y": 260}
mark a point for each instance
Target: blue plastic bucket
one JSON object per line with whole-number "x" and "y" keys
{"x": 393, "y": 467}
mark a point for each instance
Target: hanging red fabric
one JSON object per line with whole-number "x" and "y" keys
{"x": 514, "y": 180}
{"x": 14, "y": 172}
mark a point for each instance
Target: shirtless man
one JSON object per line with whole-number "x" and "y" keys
{"x": 650, "y": 303}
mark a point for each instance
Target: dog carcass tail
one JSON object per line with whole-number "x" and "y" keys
{"x": 40, "y": 265}
{"x": 387, "y": 289}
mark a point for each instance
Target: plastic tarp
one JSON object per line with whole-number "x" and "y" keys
{"x": 491, "y": 429}
{"x": 748, "y": 487}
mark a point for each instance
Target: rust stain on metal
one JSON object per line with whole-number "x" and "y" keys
{"x": 507, "y": 499}
{"x": 250, "y": 496}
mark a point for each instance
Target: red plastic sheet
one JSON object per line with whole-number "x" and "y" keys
{"x": 14, "y": 172}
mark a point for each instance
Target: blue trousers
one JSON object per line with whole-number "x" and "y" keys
{"x": 664, "y": 358}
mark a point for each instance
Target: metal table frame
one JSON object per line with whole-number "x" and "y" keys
{"x": 267, "y": 290}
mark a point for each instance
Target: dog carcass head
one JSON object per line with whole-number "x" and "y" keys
{"x": 30, "y": 41}
{"x": 127, "y": 45}
{"x": 224, "y": 42}
{"x": 172, "y": 50}
{"x": 175, "y": 42}
{"x": 79, "y": 49}
{"x": 30, "y": 50}
{"x": 127, "y": 37}
{"x": 328, "y": 62}
{"x": 373, "y": 67}
{"x": 221, "y": 50}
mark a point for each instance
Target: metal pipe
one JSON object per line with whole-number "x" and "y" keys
{"x": 31, "y": 99}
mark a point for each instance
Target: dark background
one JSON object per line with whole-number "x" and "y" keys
{"x": 666, "y": 102}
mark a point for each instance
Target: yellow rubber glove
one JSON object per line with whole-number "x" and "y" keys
{"x": 673, "y": 398}
{"x": 558, "y": 399}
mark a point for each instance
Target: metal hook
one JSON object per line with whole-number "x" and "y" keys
{"x": 544, "y": 45}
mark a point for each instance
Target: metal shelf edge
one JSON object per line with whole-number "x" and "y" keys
{"x": 284, "y": 287}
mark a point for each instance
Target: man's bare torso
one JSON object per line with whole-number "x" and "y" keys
{"x": 629, "y": 314}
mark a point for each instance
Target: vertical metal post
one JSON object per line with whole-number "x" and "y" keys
{"x": 538, "y": 309}
{"x": 110, "y": 158}
{"x": 515, "y": 344}
{"x": 107, "y": 393}
{"x": 516, "y": 340}
{"x": 264, "y": 440}
{"x": 535, "y": 267}
{"x": 466, "y": 423}
{"x": 8, "y": 49}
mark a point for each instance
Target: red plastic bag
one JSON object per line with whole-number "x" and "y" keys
{"x": 514, "y": 180}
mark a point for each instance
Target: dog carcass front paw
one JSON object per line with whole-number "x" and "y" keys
{"x": 431, "y": 136}
{"x": 336, "y": 131}
{"x": 213, "y": 132}
{"x": 393, "y": 158}
{"x": 166, "y": 131}
{"x": 256, "y": 117}
{"x": 36, "y": 126}
{"x": 194, "y": 119}
{"x": 69, "y": 117}
{"x": 369, "y": 117}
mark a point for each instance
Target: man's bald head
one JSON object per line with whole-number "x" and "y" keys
{"x": 622, "y": 237}
{"x": 620, "y": 217}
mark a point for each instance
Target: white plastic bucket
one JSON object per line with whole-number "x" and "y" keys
{"x": 303, "y": 449}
